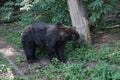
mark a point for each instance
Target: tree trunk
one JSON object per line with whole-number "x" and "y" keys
{"x": 79, "y": 18}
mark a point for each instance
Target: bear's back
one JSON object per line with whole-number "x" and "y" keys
{"x": 39, "y": 26}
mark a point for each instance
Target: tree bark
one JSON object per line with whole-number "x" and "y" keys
{"x": 79, "y": 18}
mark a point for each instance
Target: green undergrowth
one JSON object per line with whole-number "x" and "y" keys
{"x": 105, "y": 60}
{"x": 84, "y": 52}
{"x": 78, "y": 71}
{"x": 7, "y": 71}
{"x": 5, "y": 68}
{"x": 12, "y": 33}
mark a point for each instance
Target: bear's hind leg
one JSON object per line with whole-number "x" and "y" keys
{"x": 50, "y": 52}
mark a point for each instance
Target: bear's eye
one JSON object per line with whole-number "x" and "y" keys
{"x": 75, "y": 36}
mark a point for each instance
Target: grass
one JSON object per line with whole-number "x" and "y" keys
{"x": 106, "y": 59}
{"x": 12, "y": 34}
{"x": 5, "y": 69}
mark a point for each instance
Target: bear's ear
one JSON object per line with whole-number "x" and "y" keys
{"x": 74, "y": 27}
{"x": 59, "y": 25}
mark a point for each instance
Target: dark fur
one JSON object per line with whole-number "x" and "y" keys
{"x": 52, "y": 37}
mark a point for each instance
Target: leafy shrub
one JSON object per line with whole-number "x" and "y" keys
{"x": 7, "y": 11}
{"x": 52, "y": 11}
{"x": 99, "y": 9}
{"x": 46, "y": 11}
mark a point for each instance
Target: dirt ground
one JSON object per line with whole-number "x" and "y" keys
{"x": 8, "y": 52}
{"x": 12, "y": 54}
{"x": 105, "y": 37}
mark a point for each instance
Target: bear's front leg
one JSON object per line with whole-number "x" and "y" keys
{"x": 29, "y": 51}
{"x": 50, "y": 52}
{"x": 59, "y": 52}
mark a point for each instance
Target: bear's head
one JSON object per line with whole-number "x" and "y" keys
{"x": 72, "y": 34}
{"x": 69, "y": 33}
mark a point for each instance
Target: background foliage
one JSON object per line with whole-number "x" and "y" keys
{"x": 51, "y": 11}
{"x": 102, "y": 12}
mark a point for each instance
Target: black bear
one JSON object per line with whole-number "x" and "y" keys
{"x": 50, "y": 36}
